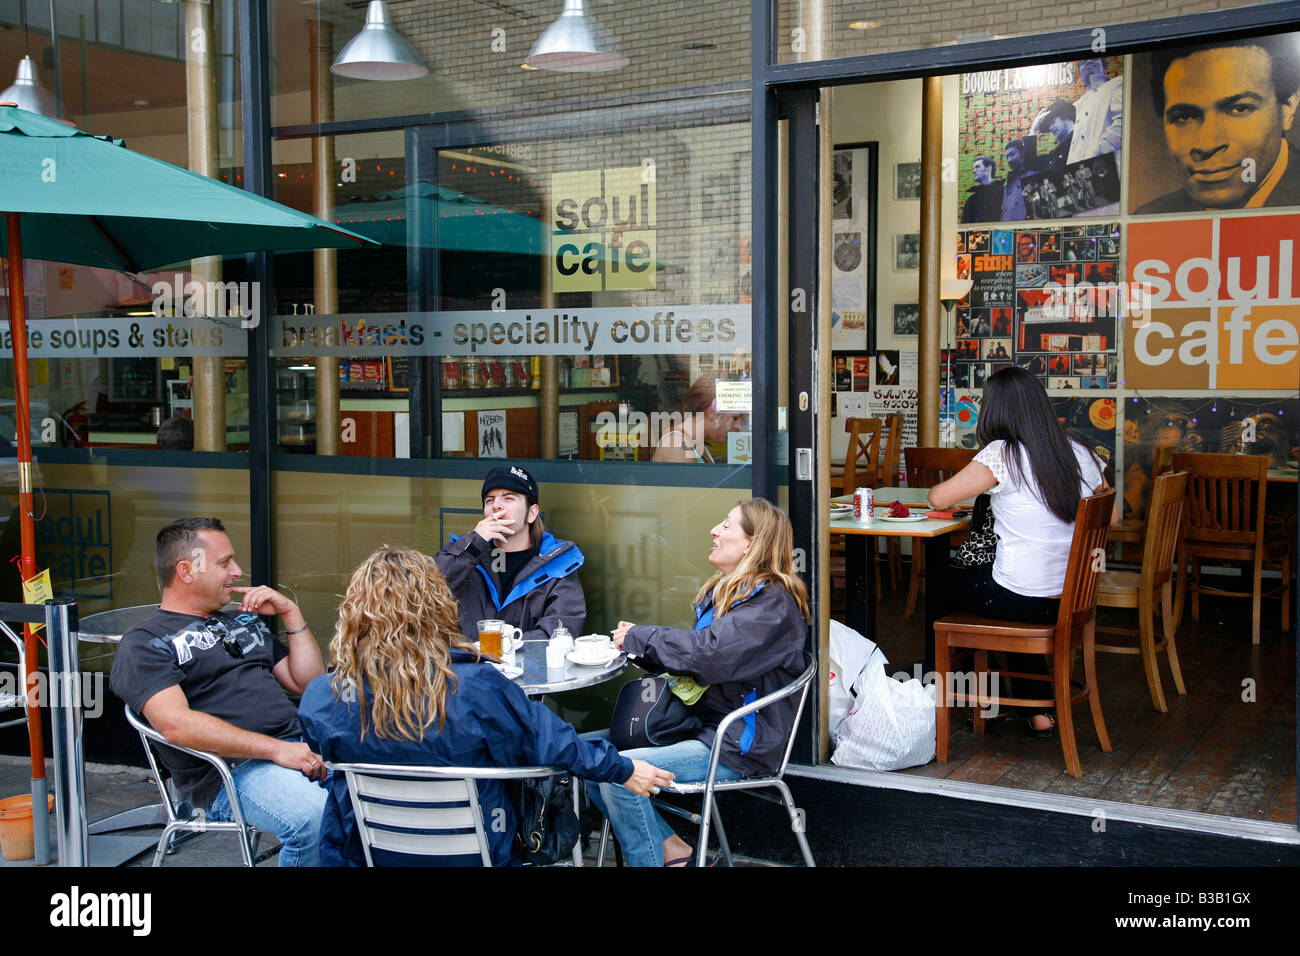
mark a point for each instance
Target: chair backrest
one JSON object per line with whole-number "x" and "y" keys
{"x": 1225, "y": 497}
{"x": 1087, "y": 560}
{"x": 424, "y": 811}
{"x": 860, "y": 464}
{"x": 1164, "y": 527}
{"x": 1162, "y": 461}
{"x": 927, "y": 467}
{"x": 798, "y": 686}
{"x": 888, "y": 474}
{"x": 150, "y": 739}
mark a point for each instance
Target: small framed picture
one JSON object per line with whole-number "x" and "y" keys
{"x": 907, "y": 318}
{"x": 907, "y": 181}
{"x": 907, "y": 251}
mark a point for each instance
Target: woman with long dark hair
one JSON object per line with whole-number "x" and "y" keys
{"x": 1035, "y": 474}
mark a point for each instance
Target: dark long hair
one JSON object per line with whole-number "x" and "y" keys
{"x": 1016, "y": 409}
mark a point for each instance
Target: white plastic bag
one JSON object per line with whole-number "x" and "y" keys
{"x": 891, "y": 725}
{"x": 850, "y": 652}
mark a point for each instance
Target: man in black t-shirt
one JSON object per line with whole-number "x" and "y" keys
{"x": 216, "y": 682}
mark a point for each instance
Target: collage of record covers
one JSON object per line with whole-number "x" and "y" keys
{"x": 1046, "y": 300}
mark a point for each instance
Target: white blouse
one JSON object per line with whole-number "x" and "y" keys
{"x": 1033, "y": 544}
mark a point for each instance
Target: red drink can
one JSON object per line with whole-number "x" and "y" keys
{"x": 863, "y": 502}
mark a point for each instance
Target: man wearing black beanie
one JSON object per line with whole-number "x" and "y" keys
{"x": 510, "y": 568}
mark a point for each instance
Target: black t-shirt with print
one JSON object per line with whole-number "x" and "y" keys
{"x": 169, "y": 649}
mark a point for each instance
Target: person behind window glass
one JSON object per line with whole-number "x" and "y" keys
{"x": 701, "y": 430}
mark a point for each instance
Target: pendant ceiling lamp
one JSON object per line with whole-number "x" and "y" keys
{"x": 379, "y": 52}
{"x": 28, "y": 94}
{"x": 576, "y": 43}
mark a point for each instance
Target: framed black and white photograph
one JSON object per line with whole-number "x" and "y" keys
{"x": 907, "y": 181}
{"x": 907, "y": 318}
{"x": 907, "y": 251}
{"x": 853, "y": 250}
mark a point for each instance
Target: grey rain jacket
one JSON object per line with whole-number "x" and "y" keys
{"x": 545, "y": 593}
{"x": 754, "y": 649}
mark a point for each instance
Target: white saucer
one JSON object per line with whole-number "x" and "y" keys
{"x": 509, "y": 671}
{"x": 603, "y": 661}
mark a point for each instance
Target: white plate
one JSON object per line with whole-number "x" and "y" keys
{"x": 509, "y": 671}
{"x": 603, "y": 661}
{"x": 908, "y": 519}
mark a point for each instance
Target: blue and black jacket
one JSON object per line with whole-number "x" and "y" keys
{"x": 545, "y": 593}
{"x": 754, "y": 649}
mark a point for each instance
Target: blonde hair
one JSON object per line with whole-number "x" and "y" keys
{"x": 769, "y": 559}
{"x": 397, "y": 625}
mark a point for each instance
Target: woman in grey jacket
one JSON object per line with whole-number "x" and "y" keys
{"x": 751, "y": 626}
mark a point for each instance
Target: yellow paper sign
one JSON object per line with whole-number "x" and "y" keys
{"x": 38, "y": 590}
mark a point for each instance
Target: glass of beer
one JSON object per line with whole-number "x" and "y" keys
{"x": 489, "y": 637}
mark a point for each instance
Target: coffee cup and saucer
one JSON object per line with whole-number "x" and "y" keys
{"x": 592, "y": 650}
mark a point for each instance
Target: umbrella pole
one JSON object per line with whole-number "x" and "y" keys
{"x": 27, "y": 527}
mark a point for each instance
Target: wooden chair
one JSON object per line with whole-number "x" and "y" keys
{"x": 862, "y": 462}
{"x": 1131, "y": 530}
{"x": 927, "y": 467}
{"x": 861, "y": 470}
{"x": 1155, "y": 582}
{"x": 1225, "y": 522}
{"x": 1074, "y": 629}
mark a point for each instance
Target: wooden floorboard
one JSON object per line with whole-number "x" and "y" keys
{"x": 1212, "y": 752}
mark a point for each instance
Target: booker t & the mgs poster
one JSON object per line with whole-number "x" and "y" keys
{"x": 1041, "y": 142}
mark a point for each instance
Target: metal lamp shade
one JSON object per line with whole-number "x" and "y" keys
{"x": 378, "y": 52}
{"x": 28, "y": 94}
{"x": 576, "y": 43}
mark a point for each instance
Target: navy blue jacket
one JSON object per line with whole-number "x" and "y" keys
{"x": 545, "y": 594}
{"x": 754, "y": 649}
{"x": 490, "y": 723}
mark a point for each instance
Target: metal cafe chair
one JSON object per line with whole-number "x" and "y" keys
{"x": 183, "y": 819}
{"x": 710, "y": 785}
{"x": 427, "y": 811}
{"x": 10, "y": 701}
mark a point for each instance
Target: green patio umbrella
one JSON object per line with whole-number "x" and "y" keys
{"x": 71, "y": 197}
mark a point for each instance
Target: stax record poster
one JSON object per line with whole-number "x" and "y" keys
{"x": 1221, "y": 304}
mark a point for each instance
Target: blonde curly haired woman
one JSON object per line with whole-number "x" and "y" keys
{"x": 409, "y": 688}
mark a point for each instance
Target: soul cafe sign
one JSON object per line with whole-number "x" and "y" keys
{"x": 1223, "y": 301}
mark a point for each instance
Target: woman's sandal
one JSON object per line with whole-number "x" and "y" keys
{"x": 688, "y": 860}
{"x": 1047, "y": 731}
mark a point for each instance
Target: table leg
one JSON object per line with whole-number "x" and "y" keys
{"x": 860, "y": 584}
{"x": 939, "y": 582}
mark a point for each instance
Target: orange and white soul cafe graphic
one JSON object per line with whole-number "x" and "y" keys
{"x": 1222, "y": 304}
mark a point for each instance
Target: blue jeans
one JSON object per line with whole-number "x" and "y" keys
{"x": 640, "y": 830}
{"x": 277, "y": 800}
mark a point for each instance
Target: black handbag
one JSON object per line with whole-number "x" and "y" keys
{"x": 648, "y": 714}
{"x": 980, "y": 547}
{"x": 548, "y": 827}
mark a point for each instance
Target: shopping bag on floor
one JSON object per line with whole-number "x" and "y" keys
{"x": 850, "y": 652}
{"x": 891, "y": 725}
